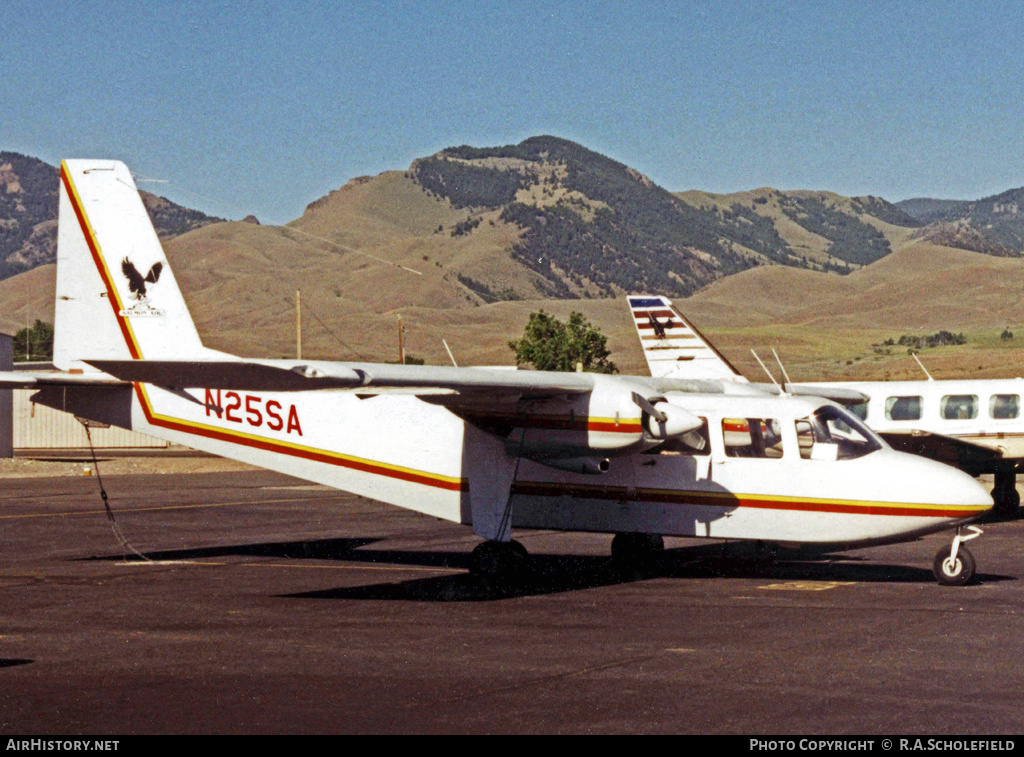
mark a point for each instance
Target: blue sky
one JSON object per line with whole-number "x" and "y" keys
{"x": 262, "y": 107}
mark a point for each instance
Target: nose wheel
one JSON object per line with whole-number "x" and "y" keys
{"x": 499, "y": 560}
{"x": 954, "y": 565}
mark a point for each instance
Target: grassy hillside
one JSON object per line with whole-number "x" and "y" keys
{"x": 240, "y": 282}
{"x": 594, "y": 227}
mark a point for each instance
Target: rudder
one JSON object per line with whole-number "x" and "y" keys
{"x": 117, "y": 298}
{"x": 673, "y": 347}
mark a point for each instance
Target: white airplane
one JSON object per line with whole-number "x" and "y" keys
{"x": 638, "y": 457}
{"x": 973, "y": 424}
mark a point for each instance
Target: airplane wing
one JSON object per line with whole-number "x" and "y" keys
{"x": 968, "y": 456}
{"x": 365, "y": 378}
{"x": 839, "y": 394}
{"x": 477, "y": 394}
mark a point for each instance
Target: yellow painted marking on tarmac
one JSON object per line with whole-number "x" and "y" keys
{"x": 345, "y": 566}
{"x": 164, "y": 563}
{"x": 300, "y": 487}
{"x": 361, "y": 566}
{"x": 158, "y": 508}
{"x": 807, "y": 585}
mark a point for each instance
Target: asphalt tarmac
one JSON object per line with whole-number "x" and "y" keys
{"x": 249, "y": 602}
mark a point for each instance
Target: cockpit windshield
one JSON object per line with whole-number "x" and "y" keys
{"x": 831, "y": 433}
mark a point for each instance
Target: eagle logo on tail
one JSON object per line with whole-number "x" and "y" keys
{"x": 659, "y": 327}
{"x": 137, "y": 285}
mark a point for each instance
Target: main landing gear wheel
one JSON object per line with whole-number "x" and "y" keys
{"x": 1006, "y": 496}
{"x": 953, "y": 571}
{"x": 635, "y": 550}
{"x": 498, "y": 559}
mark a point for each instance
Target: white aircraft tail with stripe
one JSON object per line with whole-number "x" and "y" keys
{"x": 117, "y": 298}
{"x": 672, "y": 346}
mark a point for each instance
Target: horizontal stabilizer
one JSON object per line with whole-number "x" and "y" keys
{"x": 34, "y": 380}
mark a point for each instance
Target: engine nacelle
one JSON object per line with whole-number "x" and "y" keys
{"x": 603, "y": 422}
{"x": 671, "y": 421}
{"x": 613, "y": 419}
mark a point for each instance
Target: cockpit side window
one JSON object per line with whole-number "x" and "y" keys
{"x": 959, "y": 406}
{"x": 752, "y": 437}
{"x": 1004, "y": 406}
{"x": 903, "y": 409}
{"x": 833, "y": 434}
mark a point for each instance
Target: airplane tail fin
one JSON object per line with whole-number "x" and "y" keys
{"x": 672, "y": 346}
{"x": 117, "y": 298}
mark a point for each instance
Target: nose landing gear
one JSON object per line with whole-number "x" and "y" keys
{"x": 954, "y": 565}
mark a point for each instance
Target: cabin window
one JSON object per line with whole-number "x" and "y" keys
{"x": 696, "y": 442}
{"x": 959, "y": 407}
{"x": 832, "y": 434}
{"x": 1004, "y": 406}
{"x": 752, "y": 437}
{"x": 903, "y": 409}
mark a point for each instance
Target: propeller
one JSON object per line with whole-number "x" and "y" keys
{"x": 671, "y": 420}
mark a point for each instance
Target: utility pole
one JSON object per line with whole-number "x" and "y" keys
{"x": 298, "y": 324}
{"x": 401, "y": 342}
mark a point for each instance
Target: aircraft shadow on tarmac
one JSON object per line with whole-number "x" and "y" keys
{"x": 551, "y": 574}
{"x": 11, "y": 662}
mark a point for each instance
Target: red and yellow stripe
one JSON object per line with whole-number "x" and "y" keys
{"x": 737, "y": 500}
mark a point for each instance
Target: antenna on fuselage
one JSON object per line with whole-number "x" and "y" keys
{"x": 782, "y": 367}
{"x": 914, "y": 355}
{"x": 450, "y": 355}
{"x": 765, "y": 369}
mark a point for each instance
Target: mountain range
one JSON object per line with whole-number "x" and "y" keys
{"x": 573, "y": 223}
{"x": 465, "y": 243}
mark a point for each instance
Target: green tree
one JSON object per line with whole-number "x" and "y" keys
{"x": 548, "y": 344}
{"x": 35, "y": 343}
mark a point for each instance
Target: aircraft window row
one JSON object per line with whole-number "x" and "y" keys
{"x": 951, "y": 407}
{"x": 829, "y": 434}
{"x": 752, "y": 437}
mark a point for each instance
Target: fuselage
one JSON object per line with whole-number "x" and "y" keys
{"x": 761, "y": 468}
{"x": 981, "y": 411}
